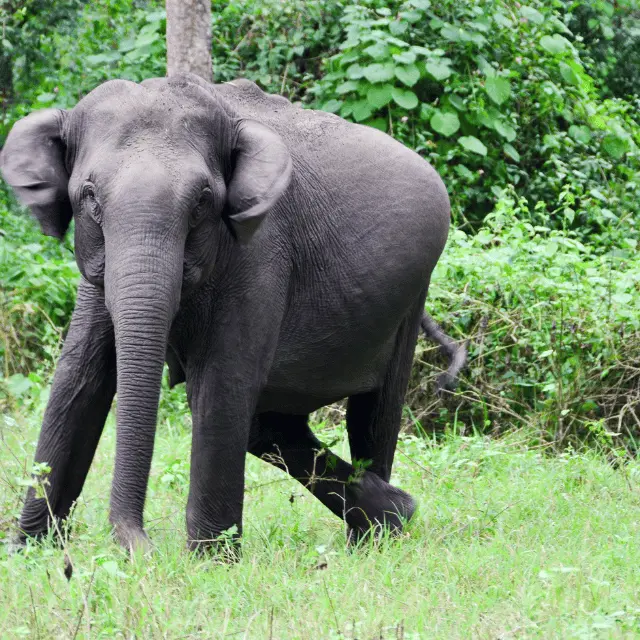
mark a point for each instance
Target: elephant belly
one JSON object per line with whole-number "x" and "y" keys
{"x": 329, "y": 365}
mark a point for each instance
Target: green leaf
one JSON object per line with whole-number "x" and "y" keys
{"x": 102, "y": 58}
{"x": 406, "y": 57}
{"x": 615, "y": 146}
{"x": 457, "y": 102}
{"x": 411, "y": 16}
{"x": 439, "y": 70}
{"x": 355, "y": 72}
{"x": 331, "y": 106}
{"x": 408, "y": 75}
{"x": 377, "y": 123}
{"x": 405, "y": 98}
{"x": 554, "y": 44}
{"x": 398, "y": 27}
{"x": 445, "y": 123}
{"x": 379, "y": 96}
{"x": 378, "y": 51}
{"x": 361, "y": 110}
{"x": 450, "y": 33}
{"x": 502, "y": 21}
{"x": 347, "y": 87}
{"x": 498, "y": 89}
{"x": 471, "y": 143}
{"x": 505, "y": 130}
{"x": 569, "y": 75}
{"x": 46, "y": 97}
{"x": 580, "y": 133}
{"x": 511, "y": 152}
{"x": 532, "y": 15}
{"x": 378, "y": 72}
{"x": 420, "y": 4}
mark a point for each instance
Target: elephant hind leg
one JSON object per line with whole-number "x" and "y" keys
{"x": 359, "y": 497}
{"x": 374, "y": 418}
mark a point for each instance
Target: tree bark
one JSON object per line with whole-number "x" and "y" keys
{"x": 189, "y": 37}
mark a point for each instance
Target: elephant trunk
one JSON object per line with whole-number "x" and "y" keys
{"x": 142, "y": 292}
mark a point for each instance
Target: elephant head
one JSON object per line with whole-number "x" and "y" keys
{"x": 156, "y": 177}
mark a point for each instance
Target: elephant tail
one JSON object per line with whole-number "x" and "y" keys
{"x": 454, "y": 352}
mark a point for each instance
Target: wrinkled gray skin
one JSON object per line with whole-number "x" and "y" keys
{"x": 277, "y": 258}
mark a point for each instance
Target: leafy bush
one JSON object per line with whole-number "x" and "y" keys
{"x": 528, "y": 111}
{"x": 39, "y": 278}
{"x": 492, "y": 95}
{"x": 554, "y": 329}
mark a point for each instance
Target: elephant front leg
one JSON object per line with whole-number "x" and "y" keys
{"x": 222, "y": 409}
{"x": 81, "y": 395}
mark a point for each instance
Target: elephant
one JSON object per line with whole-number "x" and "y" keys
{"x": 277, "y": 258}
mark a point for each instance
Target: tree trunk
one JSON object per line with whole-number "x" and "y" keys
{"x": 189, "y": 37}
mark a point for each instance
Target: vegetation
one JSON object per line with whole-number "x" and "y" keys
{"x": 530, "y": 112}
{"x": 507, "y": 542}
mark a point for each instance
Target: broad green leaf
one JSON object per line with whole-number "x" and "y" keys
{"x": 406, "y": 57}
{"x": 569, "y": 75}
{"x": 501, "y": 20}
{"x": 450, "y": 33}
{"x": 532, "y": 15}
{"x": 511, "y": 152}
{"x": 361, "y": 110}
{"x": 420, "y": 4}
{"x": 554, "y": 44}
{"x": 349, "y": 57}
{"x": 102, "y": 58}
{"x": 498, "y": 89}
{"x": 438, "y": 69}
{"x": 408, "y": 75}
{"x": 46, "y": 97}
{"x": 471, "y": 143}
{"x": 377, "y": 123}
{"x": 347, "y": 87}
{"x": 505, "y": 130}
{"x": 423, "y": 51}
{"x": 379, "y": 96}
{"x": 580, "y": 133}
{"x": 398, "y": 27}
{"x": 331, "y": 106}
{"x": 445, "y": 123}
{"x": 405, "y": 98}
{"x": 145, "y": 39}
{"x": 615, "y": 146}
{"x": 378, "y": 72}
{"x": 457, "y": 102}
{"x": 378, "y": 51}
{"x": 355, "y": 72}
{"x": 411, "y": 16}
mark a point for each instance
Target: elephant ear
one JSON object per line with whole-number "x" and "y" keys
{"x": 261, "y": 175}
{"x": 33, "y": 163}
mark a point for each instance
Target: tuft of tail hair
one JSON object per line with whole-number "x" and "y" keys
{"x": 454, "y": 352}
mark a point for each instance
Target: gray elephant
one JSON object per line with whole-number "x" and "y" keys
{"x": 277, "y": 258}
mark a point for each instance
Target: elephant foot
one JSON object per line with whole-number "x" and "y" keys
{"x": 379, "y": 507}
{"x": 131, "y": 537}
{"x": 224, "y": 545}
{"x": 222, "y": 551}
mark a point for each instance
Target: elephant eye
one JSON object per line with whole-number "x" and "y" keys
{"x": 201, "y": 208}
{"x": 90, "y": 202}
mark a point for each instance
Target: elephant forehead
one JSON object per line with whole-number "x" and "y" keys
{"x": 125, "y": 113}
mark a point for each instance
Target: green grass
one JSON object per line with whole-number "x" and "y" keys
{"x": 507, "y": 542}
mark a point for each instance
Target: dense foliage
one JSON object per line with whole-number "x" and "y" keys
{"x": 530, "y": 111}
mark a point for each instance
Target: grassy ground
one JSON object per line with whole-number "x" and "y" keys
{"x": 508, "y": 542}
